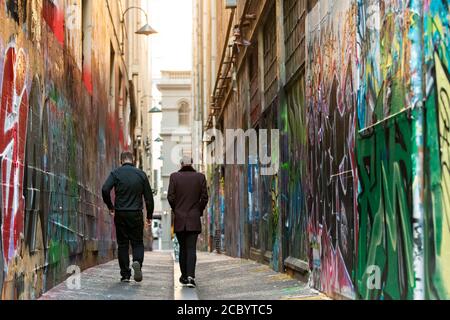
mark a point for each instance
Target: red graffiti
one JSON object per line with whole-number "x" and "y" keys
{"x": 54, "y": 17}
{"x": 13, "y": 126}
{"x": 87, "y": 79}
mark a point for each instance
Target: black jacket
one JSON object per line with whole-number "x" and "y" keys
{"x": 129, "y": 184}
{"x": 188, "y": 197}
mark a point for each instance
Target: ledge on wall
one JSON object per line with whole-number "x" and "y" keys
{"x": 255, "y": 254}
{"x": 268, "y": 256}
{"x": 299, "y": 267}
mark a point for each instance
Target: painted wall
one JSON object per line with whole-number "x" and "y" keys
{"x": 58, "y": 141}
{"x": 330, "y": 113}
{"x": 384, "y": 149}
{"x": 437, "y": 223}
{"x": 368, "y": 48}
{"x": 350, "y": 183}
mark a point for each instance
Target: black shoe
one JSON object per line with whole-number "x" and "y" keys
{"x": 191, "y": 282}
{"x": 125, "y": 279}
{"x": 184, "y": 280}
{"x": 137, "y": 271}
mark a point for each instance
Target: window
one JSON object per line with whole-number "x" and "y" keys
{"x": 184, "y": 114}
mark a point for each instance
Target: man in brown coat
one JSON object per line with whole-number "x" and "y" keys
{"x": 188, "y": 197}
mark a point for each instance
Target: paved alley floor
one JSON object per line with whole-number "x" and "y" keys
{"x": 103, "y": 282}
{"x": 219, "y": 277}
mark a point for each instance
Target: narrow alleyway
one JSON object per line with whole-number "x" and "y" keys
{"x": 219, "y": 277}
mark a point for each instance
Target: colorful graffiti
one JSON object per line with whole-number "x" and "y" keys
{"x": 350, "y": 193}
{"x": 53, "y": 14}
{"x": 331, "y": 117}
{"x": 2, "y": 263}
{"x": 297, "y": 134}
{"x": 269, "y": 204}
{"x": 384, "y": 163}
{"x": 384, "y": 151}
{"x": 437, "y": 222}
{"x": 13, "y": 125}
{"x": 253, "y": 204}
{"x": 57, "y": 144}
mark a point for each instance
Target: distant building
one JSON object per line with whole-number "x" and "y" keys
{"x": 176, "y": 131}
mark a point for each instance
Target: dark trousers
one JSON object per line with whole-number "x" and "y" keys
{"x": 129, "y": 230}
{"x": 188, "y": 252}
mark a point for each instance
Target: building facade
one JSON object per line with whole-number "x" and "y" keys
{"x": 69, "y": 107}
{"x": 356, "y": 91}
{"x": 176, "y": 135}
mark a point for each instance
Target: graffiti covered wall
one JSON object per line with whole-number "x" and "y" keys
{"x": 57, "y": 143}
{"x": 363, "y": 65}
{"x": 356, "y": 118}
{"x": 384, "y": 150}
{"x": 437, "y": 224}
{"x": 330, "y": 116}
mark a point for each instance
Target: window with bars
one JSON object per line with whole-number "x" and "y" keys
{"x": 294, "y": 35}
{"x": 270, "y": 58}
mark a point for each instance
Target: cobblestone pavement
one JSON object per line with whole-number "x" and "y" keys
{"x": 219, "y": 277}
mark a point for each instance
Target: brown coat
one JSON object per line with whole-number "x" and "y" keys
{"x": 188, "y": 197}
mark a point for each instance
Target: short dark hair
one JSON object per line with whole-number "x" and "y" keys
{"x": 126, "y": 156}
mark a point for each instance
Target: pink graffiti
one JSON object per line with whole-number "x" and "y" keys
{"x": 13, "y": 126}
{"x": 333, "y": 276}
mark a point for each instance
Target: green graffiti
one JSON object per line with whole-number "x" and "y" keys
{"x": 385, "y": 241}
{"x": 437, "y": 219}
{"x": 297, "y": 135}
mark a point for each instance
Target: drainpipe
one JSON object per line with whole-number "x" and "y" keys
{"x": 417, "y": 85}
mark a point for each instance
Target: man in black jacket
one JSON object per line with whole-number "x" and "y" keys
{"x": 188, "y": 197}
{"x": 130, "y": 185}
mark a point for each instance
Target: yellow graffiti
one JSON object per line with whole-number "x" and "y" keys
{"x": 443, "y": 89}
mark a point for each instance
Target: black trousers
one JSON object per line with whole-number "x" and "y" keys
{"x": 188, "y": 252}
{"x": 129, "y": 230}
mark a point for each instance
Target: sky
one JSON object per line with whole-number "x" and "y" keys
{"x": 172, "y": 46}
{"x": 171, "y": 49}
